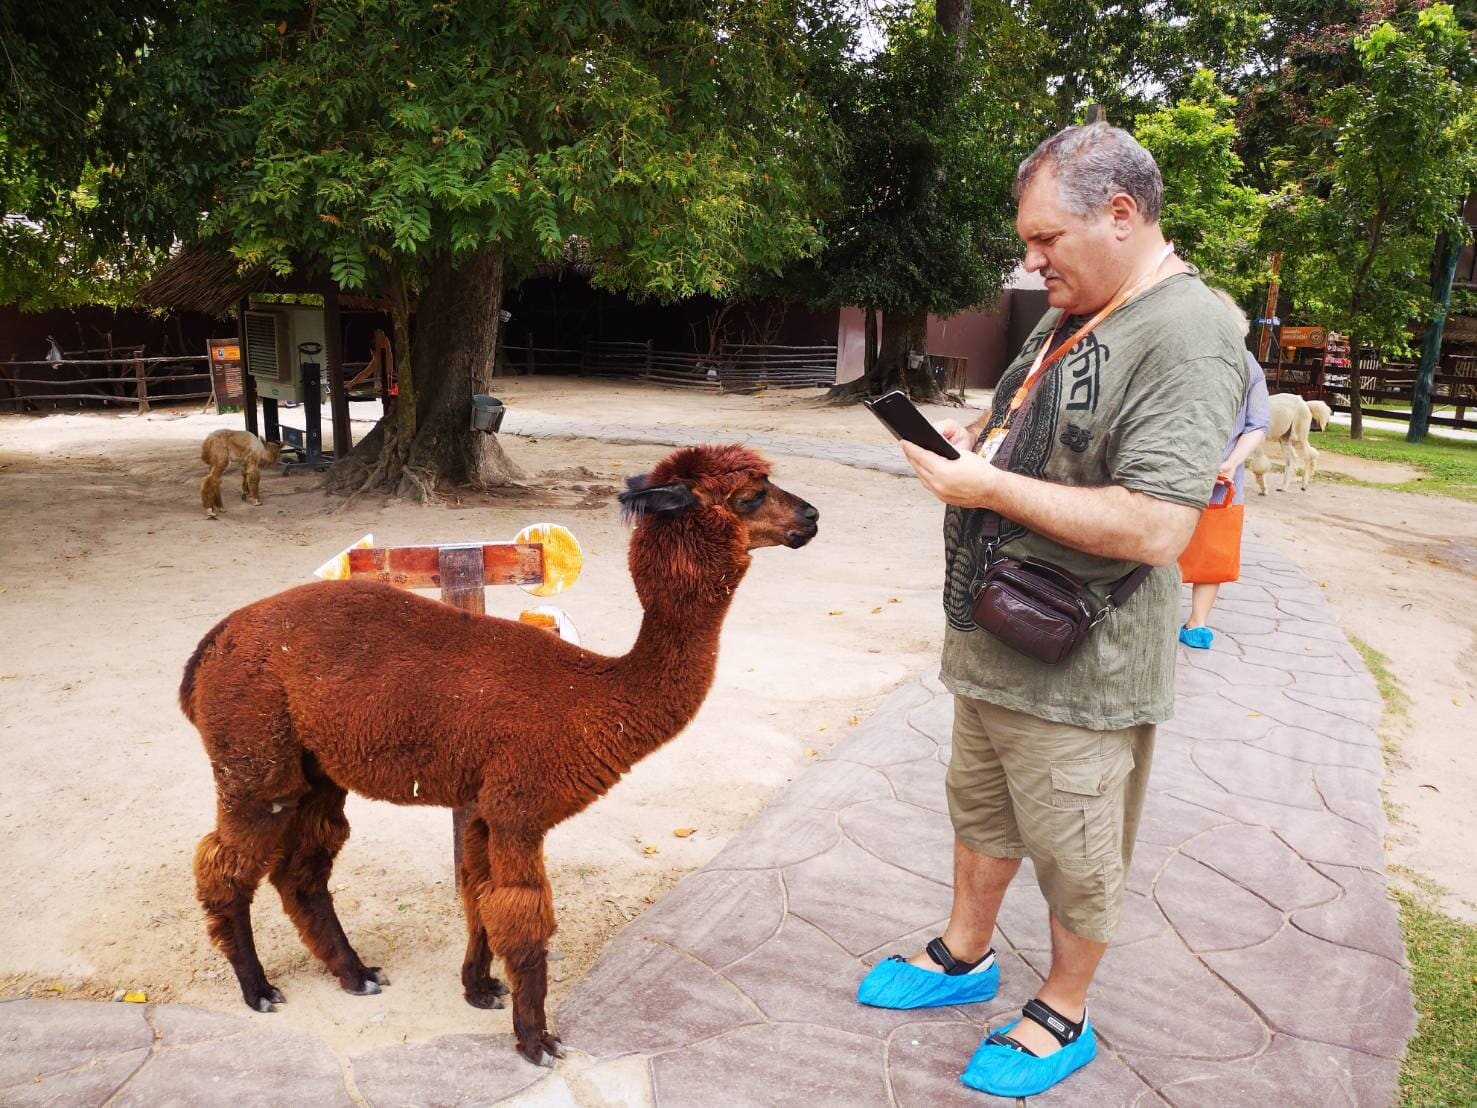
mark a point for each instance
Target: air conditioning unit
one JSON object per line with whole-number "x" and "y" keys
{"x": 268, "y": 346}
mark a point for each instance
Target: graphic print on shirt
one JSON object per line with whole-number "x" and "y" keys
{"x": 1076, "y": 439}
{"x": 964, "y": 539}
{"x": 1085, "y": 363}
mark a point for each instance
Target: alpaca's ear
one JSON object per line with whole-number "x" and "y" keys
{"x": 641, "y": 499}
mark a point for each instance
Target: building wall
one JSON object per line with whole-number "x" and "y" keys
{"x": 988, "y": 337}
{"x": 23, "y": 335}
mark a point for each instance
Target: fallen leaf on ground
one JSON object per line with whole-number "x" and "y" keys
{"x": 135, "y": 998}
{"x": 651, "y": 849}
{"x": 809, "y": 752}
{"x": 684, "y": 832}
{"x": 834, "y": 612}
{"x": 876, "y": 609}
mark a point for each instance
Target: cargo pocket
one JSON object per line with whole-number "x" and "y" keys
{"x": 1091, "y": 795}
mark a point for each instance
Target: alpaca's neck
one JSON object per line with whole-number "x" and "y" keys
{"x": 685, "y": 573}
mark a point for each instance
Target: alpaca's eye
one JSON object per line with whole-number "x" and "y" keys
{"x": 750, "y": 503}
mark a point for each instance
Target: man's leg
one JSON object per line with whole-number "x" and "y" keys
{"x": 979, "y": 887}
{"x": 1074, "y": 960}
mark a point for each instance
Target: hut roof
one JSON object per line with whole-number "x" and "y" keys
{"x": 204, "y": 281}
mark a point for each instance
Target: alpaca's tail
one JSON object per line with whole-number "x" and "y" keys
{"x": 187, "y": 684}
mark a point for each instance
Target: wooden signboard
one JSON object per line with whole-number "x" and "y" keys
{"x": 225, "y": 373}
{"x": 1293, "y": 338}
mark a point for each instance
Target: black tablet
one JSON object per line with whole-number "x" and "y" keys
{"x": 905, "y": 421}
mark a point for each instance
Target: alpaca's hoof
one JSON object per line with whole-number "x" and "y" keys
{"x": 543, "y": 1051}
{"x": 377, "y": 975}
{"x": 265, "y": 999}
{"x": 486, "y": 994}
{"x": 367, "y": 987}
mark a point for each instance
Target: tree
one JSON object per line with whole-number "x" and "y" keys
{"x": 1397, "y": 151}
{"x": 931, "y": 134}
{"x": 60, "y": 61}
{"x": 1123, "y": 55}
{"x": 430, "y": 150}
{"x": 1212, "y": 218}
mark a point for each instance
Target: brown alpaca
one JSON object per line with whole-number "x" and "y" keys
{"x": 219, "y": 450}
{"x": 356, "y": 685}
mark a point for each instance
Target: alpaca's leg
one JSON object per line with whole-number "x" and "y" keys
{"x": 315, "y": 834}
{"x": 482, "y": 990}
{"x": 210, "y": 491}
{"x": 250, "y": 480}
{"x": 518, "y": 913}
{"x": 229, "y": 865}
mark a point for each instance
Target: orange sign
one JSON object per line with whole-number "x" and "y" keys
{"x": 225, "y": 373}
{"x": 1293, "y": 337}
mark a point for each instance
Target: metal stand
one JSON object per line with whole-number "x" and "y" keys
{"x": 308, "y": 442}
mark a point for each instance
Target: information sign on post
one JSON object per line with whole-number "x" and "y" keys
{"x": 225, "y": 373}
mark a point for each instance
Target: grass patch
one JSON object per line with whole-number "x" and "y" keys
{"x": 1449, "y": 466}
{"x": 1440, "y": 1064}
{"x": 1397, "y": 704}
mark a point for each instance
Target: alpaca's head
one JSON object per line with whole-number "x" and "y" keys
{"x": 697, "y": 515}
{"x": 1321, "y": 414}
{"x": 729, "y": 482}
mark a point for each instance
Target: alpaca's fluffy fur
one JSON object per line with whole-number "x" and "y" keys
{"x": 359, "y": 686}
{"x": 1292, "y": 418}
{"x": 219, "y": 450}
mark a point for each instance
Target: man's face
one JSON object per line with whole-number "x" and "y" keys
{"x": 1084, "y": 259}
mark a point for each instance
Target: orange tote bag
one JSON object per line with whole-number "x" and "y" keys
{"x": 1214, "y": 553}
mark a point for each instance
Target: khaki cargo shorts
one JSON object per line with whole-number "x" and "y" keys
{"x": 1066, "y": 797}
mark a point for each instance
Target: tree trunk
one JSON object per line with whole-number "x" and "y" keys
{"x": 1356, "y": 401}
{"x": 902, "y": 333}
{"x": 426, "y": 440}
{"x": 869, "y": 341}
{"x": 1448, "y": 248}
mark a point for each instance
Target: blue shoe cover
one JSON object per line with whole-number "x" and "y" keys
{"x": 1198, "y": 637}
{"x": 1005, "y": 1072}
{"x": 894, "y": 983}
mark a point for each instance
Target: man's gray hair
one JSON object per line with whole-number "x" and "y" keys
{"x": 1093, "y": 163}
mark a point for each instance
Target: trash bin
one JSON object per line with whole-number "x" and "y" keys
{"x": 487, "y": 413}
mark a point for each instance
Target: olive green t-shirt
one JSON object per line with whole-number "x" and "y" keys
{"x": 1145, "y": 401}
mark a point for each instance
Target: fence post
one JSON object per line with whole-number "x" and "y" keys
{"x": 141, "y": 390}
{"x": 647, "y": 374}
{"x": 462, "y": 585}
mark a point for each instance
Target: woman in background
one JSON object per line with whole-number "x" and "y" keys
{"x": 1251, "y": 429}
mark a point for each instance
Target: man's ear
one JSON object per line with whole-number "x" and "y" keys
{"x": 1123, "y": 209}
{"x": 641, "y": 499}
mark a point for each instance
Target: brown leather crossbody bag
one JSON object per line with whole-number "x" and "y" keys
{"x": 1040, "y": 609}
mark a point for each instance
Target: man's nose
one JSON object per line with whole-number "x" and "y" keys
{"x": 1033, "y": 261}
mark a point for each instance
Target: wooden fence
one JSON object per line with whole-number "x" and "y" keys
{"x": 1387, "y": 389}
{"x": 739, "y": 367}
{"x": 136, "y": 382}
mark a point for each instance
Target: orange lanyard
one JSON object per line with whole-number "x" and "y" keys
{"x": 993, "y": 440}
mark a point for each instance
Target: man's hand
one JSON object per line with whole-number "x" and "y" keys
{"x": 966, "y": 482}
{"x": 960, "y": 438}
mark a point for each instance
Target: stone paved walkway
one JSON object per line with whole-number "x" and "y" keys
{"x": 1259, "y": 963}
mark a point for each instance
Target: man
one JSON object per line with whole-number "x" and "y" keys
{"x": 1115, "y": 458}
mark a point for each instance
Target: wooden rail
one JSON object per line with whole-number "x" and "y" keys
{"x": 1454, "y": 385}
{"x": 136, "y": 376}
{"x": 738, "y": 367}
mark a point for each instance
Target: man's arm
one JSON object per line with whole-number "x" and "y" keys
{"x": 1109, "y": 521}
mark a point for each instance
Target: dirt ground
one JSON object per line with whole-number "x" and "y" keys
{"x": 109, "y": 575}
